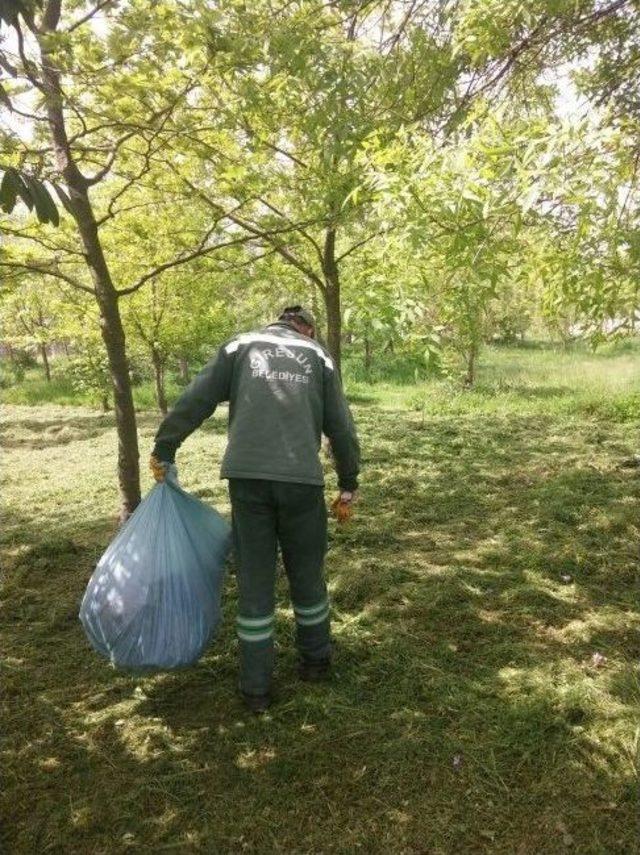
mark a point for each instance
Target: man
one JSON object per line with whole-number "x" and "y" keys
{"x": 283, "y": 392}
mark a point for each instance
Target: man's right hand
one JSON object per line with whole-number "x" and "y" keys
{"x": 159, "y": 468}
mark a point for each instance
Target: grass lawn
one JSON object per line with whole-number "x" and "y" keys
{"x": 494, "y": 552}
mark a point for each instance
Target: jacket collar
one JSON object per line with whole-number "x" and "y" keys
{"x": 286, "y": 325}
{"x": 289, "y": 326}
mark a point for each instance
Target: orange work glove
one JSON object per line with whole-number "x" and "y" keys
{"x": 158, "y": 468}
{"x": 342, "y": 505}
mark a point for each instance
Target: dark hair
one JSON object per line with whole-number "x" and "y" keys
{"x": 296, "y": 313}
{"x": 290, "y": 312}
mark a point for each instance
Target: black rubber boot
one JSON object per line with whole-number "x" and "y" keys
{"x": 314, "y": 672}
{"x": 257, "y": 704}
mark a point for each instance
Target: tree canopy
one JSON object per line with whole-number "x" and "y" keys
{"x": 427, "y": 176}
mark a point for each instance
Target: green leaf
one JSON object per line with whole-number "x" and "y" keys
{"x": 10, "y": 189}
{"x": 471, "y": 195}
{"x": 46, "y": 210}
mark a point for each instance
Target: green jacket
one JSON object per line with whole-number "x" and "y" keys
{"x": 283, "y": 393}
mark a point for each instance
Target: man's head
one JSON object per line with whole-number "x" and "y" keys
{"x": 302, "y": 319}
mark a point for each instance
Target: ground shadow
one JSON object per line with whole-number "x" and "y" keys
{"x": 487, "y": 563}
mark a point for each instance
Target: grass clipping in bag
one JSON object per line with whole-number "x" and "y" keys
{"x": 153, "y": 601}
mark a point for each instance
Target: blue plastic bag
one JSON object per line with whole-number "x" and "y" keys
{"x": 153, "y": 601}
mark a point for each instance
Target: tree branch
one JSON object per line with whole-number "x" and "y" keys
{"x": 362, "y": 242}
{"x": 182, "y": 259}
{"x": 48, "y": 271}
{"x": 51, "y": 16}
{"x": 302, "y": 231}
{"x": 248, "y": 262}
{"x": 270, "y": 236}
{"x": 101, "y": 173}
{"x": 27, "y": 65}
{"x": 51, "y": 247}
{"x": 88, "y": 16}
{"x": 599, "y": 14}
{"x": 267, "y": 144}
{"x": 162, "y": 115}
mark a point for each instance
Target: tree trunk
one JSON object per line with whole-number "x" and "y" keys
{"x": 158, "y": 370}
{"x": 105, "y": 292}
{"x": 183, "y": 365}
{"x": 113, "y": 337}
{"x": 470, "y": 375}
{"x": 45, "y": 361}
{"x": 332, "y": 297}
{"x": 318, "y": 315}
{"x": 368, "y": 353}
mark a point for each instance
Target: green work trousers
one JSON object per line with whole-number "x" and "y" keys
{"x": 265, "y": 514}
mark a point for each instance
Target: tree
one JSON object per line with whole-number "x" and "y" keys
{"x": 461, "y": 209}
{"x": 104, "y": 107}
{"x": 30, "y": 317}
{"x": 584, "y": 235}
{"x": 289, "y": 115}
{"x": 373, "y": 300}
{"x": 174, "y": 321}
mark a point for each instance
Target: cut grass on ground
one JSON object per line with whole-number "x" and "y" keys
{"x": 493, "y": 553}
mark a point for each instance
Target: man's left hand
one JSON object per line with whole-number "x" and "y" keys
{"x": 343, "y": 504}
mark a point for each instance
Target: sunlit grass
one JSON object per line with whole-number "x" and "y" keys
{"x": 544, "y": 379}
{"x": 34, "y": 389}
{"x": 486, "y": 618}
